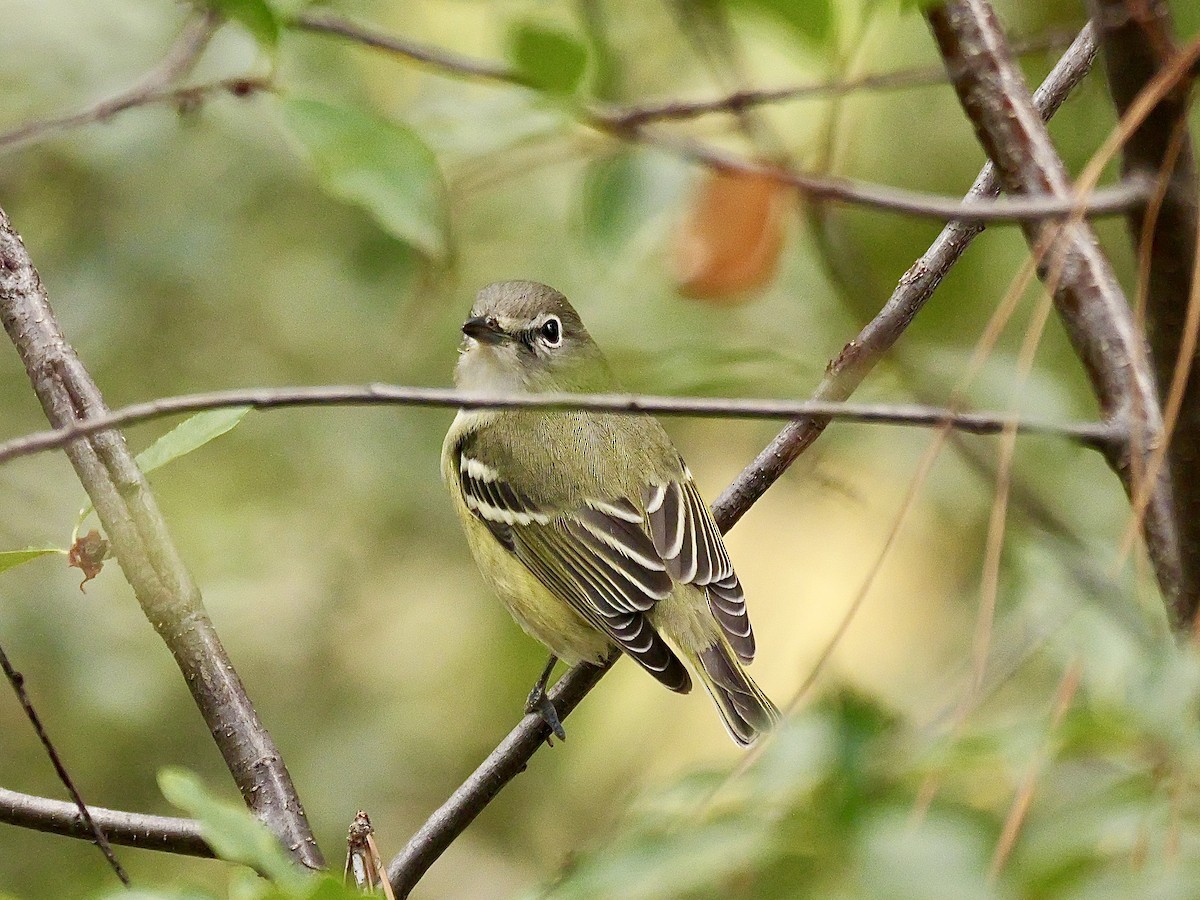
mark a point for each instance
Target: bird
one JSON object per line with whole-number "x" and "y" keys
{"x": 588, "y": 524}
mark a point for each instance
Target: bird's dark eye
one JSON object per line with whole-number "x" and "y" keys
{"x": 551, "y": 332}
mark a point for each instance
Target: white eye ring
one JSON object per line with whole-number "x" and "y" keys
{"x": 551, "y": 332}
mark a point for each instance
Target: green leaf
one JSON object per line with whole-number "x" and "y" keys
{"x": 10, "y": 559}
{"x": 381, "y": 166}
{"x": 549, "y": 59}
{"x": 256, "y": 16}
{"x": 233, "y": 833}
{"x": 190, "y": 434}
{"x": 810, "y": 19}
{"x": 613, "y": 200}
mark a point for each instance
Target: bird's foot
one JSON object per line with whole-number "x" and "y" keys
{"x": 539, "y": 702}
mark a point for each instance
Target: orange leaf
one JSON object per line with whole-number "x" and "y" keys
{"x": 731, "y": 236}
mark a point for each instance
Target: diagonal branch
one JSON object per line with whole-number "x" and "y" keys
{"x": 140, "y": 830}
{"x": 1137, "y": 40}
{"x": 842, "y": 378}
{"x": 147, "y": 555}
{"x": 1087, "y": 296}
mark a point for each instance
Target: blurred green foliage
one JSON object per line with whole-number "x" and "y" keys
{"x": 334, "y": 230}
{"x": 548, "y": 59}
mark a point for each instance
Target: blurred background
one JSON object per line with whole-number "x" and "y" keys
{"x": 215, "y": 247}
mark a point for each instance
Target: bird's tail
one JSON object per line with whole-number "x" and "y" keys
{"x": 746, "y": 711}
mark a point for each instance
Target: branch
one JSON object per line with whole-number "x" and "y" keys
{"x": 1138, "y": 39}
{"x": 843, "y": 376}
{"x": 503, "y": 764}
{"x": 154, "y": 87}
{"x": 1088, "y": 298}
{"x": 128, "y": 829}
{"x": 1127, "y": 195}
{"x": 1123, "y": 197}
{"x": 1098, "y": 435}
{"x": 326, "y": 22}
{"x": 631, "y": 116}
{"x": 143, "y": 547}
{"x": 87, "y": 825}
{"x": 187, "y": 98}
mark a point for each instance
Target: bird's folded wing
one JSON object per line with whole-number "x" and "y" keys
{"x": 598, "y": 558}
{"x": 689, "y": 543}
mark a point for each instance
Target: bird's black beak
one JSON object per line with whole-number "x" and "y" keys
{"x": 484, "y": 329}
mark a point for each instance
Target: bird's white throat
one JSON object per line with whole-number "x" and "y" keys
{"x": 481, "y": 368}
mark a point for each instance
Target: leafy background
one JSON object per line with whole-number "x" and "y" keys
{"x": 335, "y": 231}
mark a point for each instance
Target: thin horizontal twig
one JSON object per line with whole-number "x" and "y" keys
{"x": 1121, "y": 198}
{"x": 188, "y": 97}
{"x": 324, "y": 21}
{"x": 737, "y": 102}
{"x": 141, "y": 830}
{"x": 1092, "y": 434}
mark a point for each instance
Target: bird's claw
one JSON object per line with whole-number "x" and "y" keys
{"x": 539, "y": 702}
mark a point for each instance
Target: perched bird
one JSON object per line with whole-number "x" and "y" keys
{"x": 587, "y": 524}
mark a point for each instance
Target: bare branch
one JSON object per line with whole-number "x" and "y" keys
{"x": 623, "y": 117}
{"x": 147, "y": 555}
{"x": 842, "y": 378}
{"x": 1123, "y": 197}
{"x": 1088, "y": 297}
{"x": 1127, "y": 195}
{"x": 140, "y": 830}
{"x": 88, "y": 827}
{"x": 632, "y": 116}
{"x": 182, "y": 97}
{"x": 1138, "y": 38}
{"x": 327, "y": 22}
{"x": 154, "y": 87}
{"x": 1100, "y": 436}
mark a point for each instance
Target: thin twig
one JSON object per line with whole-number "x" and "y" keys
{"x": 1125, "y": 196}
{"x": 323, "y": 21}
{"x": 1097, "y": 435}
{"x": 1089, "y": 299}
{"x": 141, "y": 830}
{"x": 145, "y": 551}
{"x": 157, "y": 86}
{"x": 1122, "y": 197}
{"x": 842, "y": 377}
{"x": 188, "y": 97}
{"x": 17, "y": 680}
